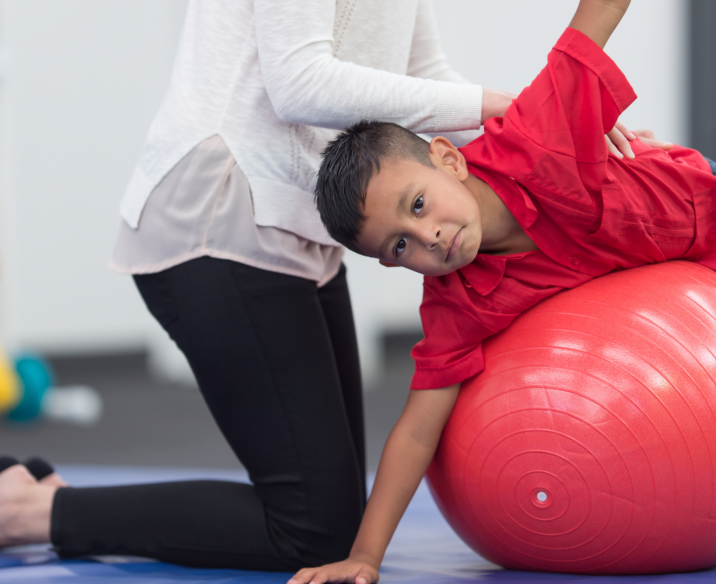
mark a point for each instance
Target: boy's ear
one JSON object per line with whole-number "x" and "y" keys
{"x": 448, "y": 158}
{"x": 388, "y": 264}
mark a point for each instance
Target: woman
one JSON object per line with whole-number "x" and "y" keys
{"x": 221, "y": 235}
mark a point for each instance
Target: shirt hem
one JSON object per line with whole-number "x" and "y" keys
{"x": 209, "y": 252}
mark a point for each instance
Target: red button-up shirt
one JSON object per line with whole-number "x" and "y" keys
{"x": 588, "y": 212}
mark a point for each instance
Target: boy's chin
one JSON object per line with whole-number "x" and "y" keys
{"x": 441, "y": 272}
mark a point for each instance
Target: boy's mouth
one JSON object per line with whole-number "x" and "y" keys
{"x": 454, "y": 246}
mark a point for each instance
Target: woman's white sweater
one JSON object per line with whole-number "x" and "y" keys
{"x": 276, "y": 78}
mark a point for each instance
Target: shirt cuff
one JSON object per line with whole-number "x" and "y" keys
{"x": 583, "y": 49}
{"x": 458, "y": 106}
{"x": 457, "y": 372}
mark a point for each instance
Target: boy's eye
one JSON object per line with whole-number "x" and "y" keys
{"x": 418, "y": 205}
{"x": 400, "y": 246}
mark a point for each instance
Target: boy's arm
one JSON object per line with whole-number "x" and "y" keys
{"x": 597, "y": 19}
{"x": 406, "y": 456}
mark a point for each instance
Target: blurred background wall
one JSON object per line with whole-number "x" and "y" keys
{"x": 80, "y": 81}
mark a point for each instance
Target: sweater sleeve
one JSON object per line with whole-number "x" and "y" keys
{"x": 308, "y": 85}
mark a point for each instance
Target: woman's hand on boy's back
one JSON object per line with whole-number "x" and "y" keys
{"x": 620, "y": 136}
{"x": 648, "y": 138}
{"x": 352, "y": 570}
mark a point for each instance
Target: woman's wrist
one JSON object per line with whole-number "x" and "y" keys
{"x": 495, "y": 103}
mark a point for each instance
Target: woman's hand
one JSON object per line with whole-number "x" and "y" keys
{"x": 353, "y": 571}
{"x": 648, "y": 138}
{"x": 495, "y": 102}
{"x": 618, "y": 140}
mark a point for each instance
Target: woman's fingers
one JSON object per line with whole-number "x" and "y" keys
{"x": 648, "y": 138}
{"x": 657, "y": 143}
{"x": 618, "y": 141}
{"x": 645, "y": 134}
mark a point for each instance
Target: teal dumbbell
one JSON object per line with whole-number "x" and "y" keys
{"x": 77, "y": 404}
{"x": 36, "y": 377}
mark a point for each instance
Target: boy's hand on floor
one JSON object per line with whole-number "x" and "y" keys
{"x": 350, "y": 571}
{"x": 620, "y": 136}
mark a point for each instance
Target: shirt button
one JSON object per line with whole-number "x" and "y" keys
{"x": 468, "y": 285}
{"x": 574, "y": 260}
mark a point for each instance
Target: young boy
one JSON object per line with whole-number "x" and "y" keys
{"x": 534, "y": 206}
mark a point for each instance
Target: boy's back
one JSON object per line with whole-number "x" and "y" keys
{"x": 587, "y": 212}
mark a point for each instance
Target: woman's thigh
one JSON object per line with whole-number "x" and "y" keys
{"x": 261, "y": 349}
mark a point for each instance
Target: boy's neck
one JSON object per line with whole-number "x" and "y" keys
{"x": 501, "y": 233}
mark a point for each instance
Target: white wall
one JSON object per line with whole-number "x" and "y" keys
{"x": 504, "y": 45}
{"x": 80, "y": 81}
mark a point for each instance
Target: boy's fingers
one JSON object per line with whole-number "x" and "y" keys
{"x": 324, "y": 576}
{"x": 303, "y": 576}
{"x": 367, "y": 577}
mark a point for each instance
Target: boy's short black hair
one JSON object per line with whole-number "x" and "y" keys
{"x": 348, "y": 164}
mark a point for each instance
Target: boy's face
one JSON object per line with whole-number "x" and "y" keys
{"x": 422, "y": 218}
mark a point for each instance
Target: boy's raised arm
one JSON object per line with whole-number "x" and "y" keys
{"x": 597, "y": 19}
{"x": 406, "y": 456}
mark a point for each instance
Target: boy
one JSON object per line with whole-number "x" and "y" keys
{"x": 534, "y": 206}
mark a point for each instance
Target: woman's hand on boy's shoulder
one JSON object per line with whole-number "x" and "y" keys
{"x": 495, "y": 103}
{"x": 353, "y": 571}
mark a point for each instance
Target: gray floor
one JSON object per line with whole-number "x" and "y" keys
{"x": 146, "y": 423}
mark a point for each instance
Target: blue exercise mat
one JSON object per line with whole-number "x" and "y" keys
{"x": 424, "y": 550}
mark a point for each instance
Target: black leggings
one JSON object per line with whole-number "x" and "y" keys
{"x": 276, "y": 361}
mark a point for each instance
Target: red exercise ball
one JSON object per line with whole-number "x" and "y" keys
{"x": 588, "y": 444}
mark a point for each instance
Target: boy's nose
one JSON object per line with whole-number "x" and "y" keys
{"x": 430, "y": 237}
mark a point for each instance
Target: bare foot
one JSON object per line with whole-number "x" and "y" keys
{"x": 54, "y": 480}
{"x": 25, "y": 507}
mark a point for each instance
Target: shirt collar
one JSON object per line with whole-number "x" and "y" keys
{"x": 511, "y": 193}
{"x": 484, "y": 273}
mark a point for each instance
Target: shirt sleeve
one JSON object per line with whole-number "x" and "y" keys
{"x": 573, "y": 102}
{"x": 308, "y": 85}
{"x": 455, "y": 322}
{"x": 464, "y": 308}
